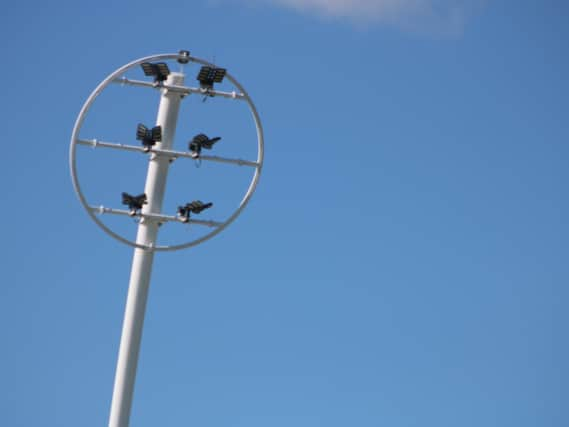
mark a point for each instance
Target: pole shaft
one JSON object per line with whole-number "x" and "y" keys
{"x": 142, "y": 260}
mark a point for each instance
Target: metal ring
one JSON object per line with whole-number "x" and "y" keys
{"x": 79, "y": 123}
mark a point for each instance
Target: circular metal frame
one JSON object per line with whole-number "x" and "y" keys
{"x": 75, "y": 136}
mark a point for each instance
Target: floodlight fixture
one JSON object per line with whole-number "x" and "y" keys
{"x": 195, "y": 207}
{"x": 148, "y": 206}
{"x": 159, "y": 70}
{"x": 172, "y": 94}
{"x": 210, "y": 75}
{"x": 201, "y": 141}
{"x": 149, "y": 137}
{"x": 134, "y": 203}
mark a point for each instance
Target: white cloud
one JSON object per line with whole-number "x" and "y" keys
{"x": 438, "y": 16}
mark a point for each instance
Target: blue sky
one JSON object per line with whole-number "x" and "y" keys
{"x": 404, "y": 261}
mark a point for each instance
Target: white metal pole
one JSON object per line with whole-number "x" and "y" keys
{"x": 142, "y": 260}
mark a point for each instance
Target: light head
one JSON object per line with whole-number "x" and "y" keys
{"x": 201, "y": 141}
{"x": 149, "y": 137}
{"x": 195, "y": 207}
{"x": 210, "y": 75}
{"x": 134, "y": 203}
{"x": 159, "y": 70}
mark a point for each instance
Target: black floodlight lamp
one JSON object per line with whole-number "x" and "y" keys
{"x": 149, "y": 137}
{"x": 159, "y": 70}
{"x": 196, "y": 207}
{"x": 134, "y": 203}
{"x": 201, "y": 141}
{"x": 210, "y": 75}
{"x": 184, "y": 57}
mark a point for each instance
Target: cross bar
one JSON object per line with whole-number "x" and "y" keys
{"x": 185, "y": 90}
{"x": 154, "y": 217}
{"x": 168, "y": 153}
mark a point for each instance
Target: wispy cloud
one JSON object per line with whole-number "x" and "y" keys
{"x": 433, "y": 16}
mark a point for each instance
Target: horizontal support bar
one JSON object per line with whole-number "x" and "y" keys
{"x": 168, "y": 153}
{"x": 180, "y": 89}
{"x": 218, "y": 159}
{"x": 154, "y": 217}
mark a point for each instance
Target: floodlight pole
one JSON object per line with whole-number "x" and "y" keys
{"x": 143, "y": 258}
